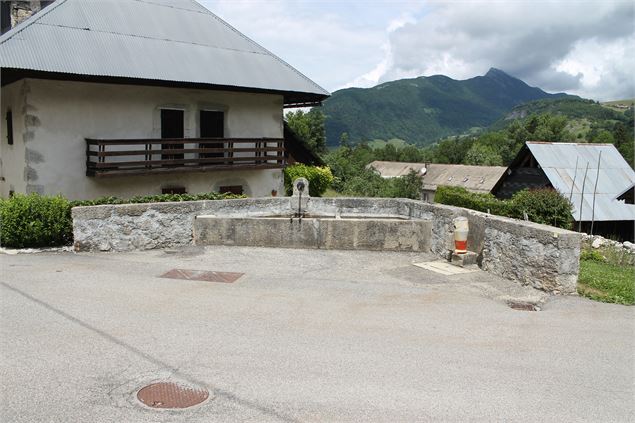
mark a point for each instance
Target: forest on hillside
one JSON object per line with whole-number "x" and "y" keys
{"x": 425, "y": 109}
{"x": 494, "y": 147}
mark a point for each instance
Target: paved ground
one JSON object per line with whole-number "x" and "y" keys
{"x": 303, "y": 336}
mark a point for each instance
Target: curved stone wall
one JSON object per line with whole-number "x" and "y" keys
{"x": 542, "y": 256}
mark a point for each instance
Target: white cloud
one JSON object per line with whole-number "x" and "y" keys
{"x": 326, "y": 44}
{"x": 578, "y": 46}
{"x": 582, "y": 47}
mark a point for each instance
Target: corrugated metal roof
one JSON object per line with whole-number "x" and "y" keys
{"x": 166, "y": 40}
{"x": 473, "y": 178}
{"x": 558, "y": 161}
{"x": 395, "y": 169}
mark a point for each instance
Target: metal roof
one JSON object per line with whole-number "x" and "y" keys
{"x": 164, "y": 40}
{"x": 395, "y": 169}
{"x": 558, "y": 161}
{"x": 473, "y": 178}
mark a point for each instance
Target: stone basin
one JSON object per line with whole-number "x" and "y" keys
{"x": 379, "y": 233}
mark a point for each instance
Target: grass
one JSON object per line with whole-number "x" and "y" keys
{"x": 619, "y": 105}
{"x": 606, "y": 281}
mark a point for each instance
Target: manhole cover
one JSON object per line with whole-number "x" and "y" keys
{"x": 171, "y": 395}
{"x": 523, "y": 306}
{"x": 202, "y": 275}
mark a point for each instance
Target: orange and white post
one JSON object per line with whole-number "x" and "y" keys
{"x": 461, "y": 230}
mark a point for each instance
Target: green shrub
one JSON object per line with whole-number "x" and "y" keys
{"x": 591, "y": 255}
{"x": 35, "y": 221}
{"x": 460, "y": 197}
{"x": 38, "y": 221}
{"x": 407, "y": 186}
{"x": 545, "y": 206}
{"x": 320, "y": 178}
{"x": 159, "y": 198}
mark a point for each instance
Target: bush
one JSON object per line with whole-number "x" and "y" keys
{"x": 407, "y": 186}
{"x": 159, "y": 198}
{"x": 460, "y": 197}
{"x": 545, "y": 206}
{"x": 35, "y": 221}
{"x": 320, "y": 178}
{"x": 592, "y": 255}
{"x": 38, "y": 221}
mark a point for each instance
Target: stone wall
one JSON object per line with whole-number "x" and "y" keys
{"x": 395, "y": 234}
{"x": 542, "y": 256}
{"x": 157, "y": 225}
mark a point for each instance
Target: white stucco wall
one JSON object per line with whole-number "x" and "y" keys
{"x": 13, "y": 157}
{"x": 61, "y": 114}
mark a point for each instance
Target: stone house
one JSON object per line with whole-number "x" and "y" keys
{"x": 134, "y": 97}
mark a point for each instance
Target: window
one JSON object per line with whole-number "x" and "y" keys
{"x": 212, "y": 126}
{"x": 10, "y": 127}
{"x": 172, "y": 124}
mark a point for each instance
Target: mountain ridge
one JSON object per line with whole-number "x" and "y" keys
{"x": 424, "y": 109}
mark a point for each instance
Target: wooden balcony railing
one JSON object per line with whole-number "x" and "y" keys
{"x": 169, "y": 155}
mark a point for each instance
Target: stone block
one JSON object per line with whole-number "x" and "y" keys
{"x": 464, "y": 260}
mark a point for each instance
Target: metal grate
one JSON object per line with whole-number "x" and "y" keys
{"x": 171, "y": 395}
{"x": 202, "y": 275}
{"x": 523, "y": 306}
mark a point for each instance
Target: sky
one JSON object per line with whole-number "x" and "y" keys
{"x": 579, "y": 47}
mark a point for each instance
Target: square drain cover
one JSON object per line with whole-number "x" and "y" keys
{"x": 202, "y": 275}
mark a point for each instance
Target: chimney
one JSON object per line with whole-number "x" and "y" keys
{"x": 14, "y": 12}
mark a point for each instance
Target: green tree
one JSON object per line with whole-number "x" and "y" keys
{"x": 603, "y": 137}
{"x": 546, "y": 127}
{"x": 344, "y": 140}
{"x": 452, "y": 150}
{"x": 482, "y": 155}
{"x": 623, "y": 139}
{"x": 501, "y": 143}
{"x": 309, "y": 127}
{"x": 387, "y": 153}
{"x": 410, "y": 154}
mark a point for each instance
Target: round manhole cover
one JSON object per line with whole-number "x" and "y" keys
{"x": 171, "y": 395}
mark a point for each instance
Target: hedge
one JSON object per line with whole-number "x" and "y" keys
{"x": 35, "y": 221}
{"x": 320, "y": 178}
{"x": 546, "y": 206}
{"x": 40, "y": 221}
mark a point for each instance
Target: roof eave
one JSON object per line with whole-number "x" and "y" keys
{"x": 291, "y": 98}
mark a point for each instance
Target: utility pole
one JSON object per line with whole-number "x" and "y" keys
{"x": 597, "y": 176}
{"x": 575, "y": 175}
{"x": 582, "y": 197}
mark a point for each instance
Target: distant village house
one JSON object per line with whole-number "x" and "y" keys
{"x": 479, "y": 179}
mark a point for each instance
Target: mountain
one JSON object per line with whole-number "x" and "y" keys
{"x": 572, "y": 108}
{"x": 424, "y": 109}
{"x": 583, "y": 116}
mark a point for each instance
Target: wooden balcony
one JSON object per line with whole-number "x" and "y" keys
{"x": 106, "y": 158}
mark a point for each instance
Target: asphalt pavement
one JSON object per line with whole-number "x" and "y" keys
{"x": 301, "y": 336}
